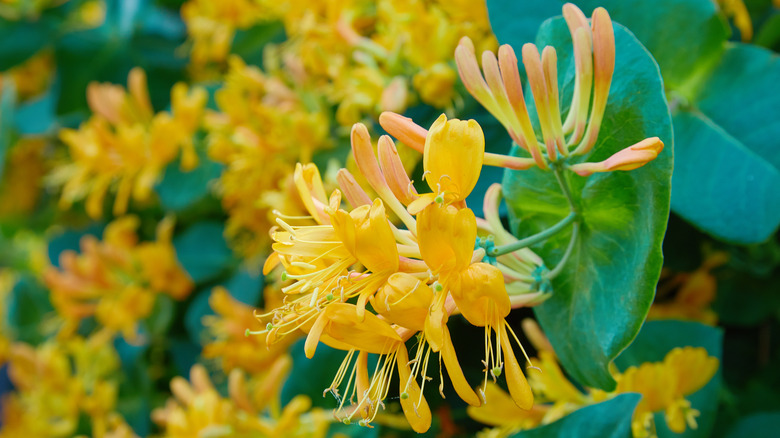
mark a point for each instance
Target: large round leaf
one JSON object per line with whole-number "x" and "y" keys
{"x": 720, "y": 185}
{"x": 603, "y": 294}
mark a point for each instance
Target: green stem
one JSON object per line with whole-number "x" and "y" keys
{"x": 557, "y": 270}
{"x": 531, "y": 240}
{"x": 564, "y": 187}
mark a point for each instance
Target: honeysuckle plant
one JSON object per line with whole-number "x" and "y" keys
{"x": 466, "y": 204}
{"x": 415, "y": 257}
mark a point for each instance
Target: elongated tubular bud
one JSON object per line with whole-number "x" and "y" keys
{"x": 630, "y": 158}
{"x": 136, "y": 85}
{"x": 603, "y": 68}
{"x": 507, "y": 61}
{"x": 394, "y": 171}
{"x": 369, "y": 167}
{"x": 576, "y": 20}
{"x": 583, "y": 62}
{"x": 497, "y": 87}
{"x": 533, "y": 67}
{"x": 574, "y": 17}
{"x": 550, "y": 66}
{"x": 468, "y": 69}
{"x": 470, "y": 74}
{"x": 355, "y": 194}
{"x": 404, "y": 129}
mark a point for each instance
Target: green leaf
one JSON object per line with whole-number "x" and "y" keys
{"x": 202, "y": 251}
{"x": 652, "y": 344}
{"x": 7, "y": 103}
{"x": 763, "y": 425}
{"x": 609, "y": 419}
{"x": 683, "y": 35}
{"x": 249, "y": 43}
{"x": 605, "y": 290}
{"x": 179, "y": 189}
{"x": 21, "y": 40}
{"x": 727, "y": 178}
{"x": 720, "y": 185}
{"x": 161, "y": 318}
{"x": 515, "y": 22}
{"x": 740, "y": 96}
{"x": 28, "y": 304}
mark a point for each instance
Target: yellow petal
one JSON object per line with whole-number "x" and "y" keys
{"x": 515, "y": 380}
{"x": 481, "y": 295}
{"x": 367, "y": 234}
{"x": 455, "y": 372}
{"x": 446, "y": 237}
{"x": 418, "y": 415}
{"x": 453, "y": 155}
{"x": 339, "y": 326}
{"x": 404, "y": 300}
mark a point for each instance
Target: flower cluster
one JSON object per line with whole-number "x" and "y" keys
{"x": 414, "y": 278}
{"x": 228, "y": 330}
{"x": 125, "y": 146}
{"x": 261, "y": 124}
{"x": 364, "y": 57}
{"x": 20, "y": 187}
{"x": 116, "y": 280}
{"x": 500, "y": 91}
{"x": 337, "y": 260}
{"x": 57, "y": 382}
{"x": 663, "y": 385}
{"x": 198, "y": 409}
{"x": 31, "y": 78}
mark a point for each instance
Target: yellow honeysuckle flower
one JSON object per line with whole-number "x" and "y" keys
{"x": 414, "y": 278}
{"x": 56, "y": 382}
{"x": 504, "y": 413}
{"x": 228, "y": 330}
{"x": 22, "y": 180}
{"x": 124, "y": 146}
{"x": 116, "y": 280}
{"x": 366, "y": 233}
{"x": 251, "y": 408}
{"x": 498, "y": 88}
{"x": 263, "y": 123}
{"x": 452, "y": 159}
{"x": 695, "y": 295}
{"x": 32, "y": 77}
{"x": 664, "y": 386}
{"x": 446, "y": 237}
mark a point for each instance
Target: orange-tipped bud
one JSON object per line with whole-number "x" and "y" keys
{"x": 539, "y": 89}
{"x": 355, "y": 194}
{"x": 468, "y": 69}
{"x": 394, "y": 171}
{"x": 630, "y": 158}
{"x": 404, "y": 129}
{"x": 603, "y": 68}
